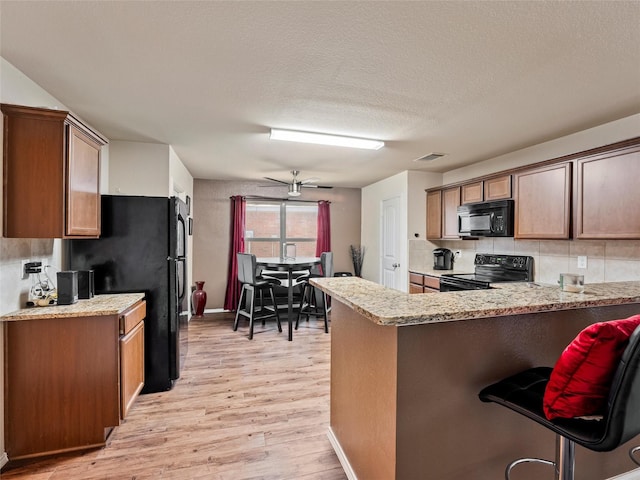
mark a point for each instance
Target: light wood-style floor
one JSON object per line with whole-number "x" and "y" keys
{"x": 241, "y": 410}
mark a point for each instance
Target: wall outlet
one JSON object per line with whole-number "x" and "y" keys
{"x": 582, "y": 261}
{"x": 23, "y": 269}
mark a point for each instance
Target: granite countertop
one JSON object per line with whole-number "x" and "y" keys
{"x": 386, "y": 306}
{"x": 111, "y": 304}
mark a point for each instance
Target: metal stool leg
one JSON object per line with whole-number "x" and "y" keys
{"x": 632, "y": 453}
{"x": 564, "y": 464}
{"x": 507, "y": 472}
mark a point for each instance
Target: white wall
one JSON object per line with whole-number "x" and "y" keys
{"x": 137, "y": 168}
{"x": 410, "y": 187}
{"x": 372, "y": 197}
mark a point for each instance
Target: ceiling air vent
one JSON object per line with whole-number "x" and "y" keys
{"x": 429, "y": 157}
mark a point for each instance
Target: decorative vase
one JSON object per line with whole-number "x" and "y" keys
{"x": 199, "y": 299}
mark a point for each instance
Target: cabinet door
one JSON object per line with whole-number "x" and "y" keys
{"x": 543, "y": 202}
{"x": 434, "y": 214}
{"x": 413, "y": 288}
{"x": 497, "y": 188}
{"x": 83, "y": 185}
{"x": 472, "y": 193}
{"x": 608, "y": 197}
{"x": 131, "y": 367}
{"x": 450, "y": 204}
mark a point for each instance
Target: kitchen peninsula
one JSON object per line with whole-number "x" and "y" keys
{"x": 406, "y": 371}
{"x": 72, "y": 372}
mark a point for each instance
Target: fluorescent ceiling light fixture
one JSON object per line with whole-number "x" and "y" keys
{"x": 324, "y": 139}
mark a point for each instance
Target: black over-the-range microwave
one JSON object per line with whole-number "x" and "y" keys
{"x": 486, "y": 219}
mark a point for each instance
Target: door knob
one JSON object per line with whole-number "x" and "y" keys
{"x": 395, "y": 265}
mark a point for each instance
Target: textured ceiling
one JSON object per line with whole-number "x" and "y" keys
{"x": 470, "y": 79}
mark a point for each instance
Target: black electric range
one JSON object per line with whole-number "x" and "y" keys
{"x": 490, "y": 268}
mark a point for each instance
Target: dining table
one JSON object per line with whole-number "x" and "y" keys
{"x": 289, "y": 265}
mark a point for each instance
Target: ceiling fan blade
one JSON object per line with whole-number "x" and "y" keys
{"x": 275, "y": 180}
{"x": 310, "y": 180}
{"x": 315, "y": 186}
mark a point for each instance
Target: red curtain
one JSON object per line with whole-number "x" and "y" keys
{"x": 323, "y": 242}
{"x": 238, "y": 209}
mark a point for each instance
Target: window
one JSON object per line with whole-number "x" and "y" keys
{"x": 269, "y": 225}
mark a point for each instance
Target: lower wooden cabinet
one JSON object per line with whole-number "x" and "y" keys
{"x": 420, "y": 283}
{"x": 69, "y": 381}
{"x": 131, "y": 367}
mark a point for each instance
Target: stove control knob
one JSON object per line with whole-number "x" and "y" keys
{"x": 480, "y": 260}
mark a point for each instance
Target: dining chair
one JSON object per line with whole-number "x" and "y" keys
{"x": 314, "y": 301}
{"x": 253, "y": 284}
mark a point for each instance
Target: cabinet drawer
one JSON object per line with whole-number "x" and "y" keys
{"x": 416, "y": 278}
{"x": 132, "y": 316}
{"x": 432, "y": 282}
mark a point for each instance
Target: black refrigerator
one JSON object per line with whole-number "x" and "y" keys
{"x": 143, "y": 248}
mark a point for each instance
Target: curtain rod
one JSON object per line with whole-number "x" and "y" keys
{"x": 258, "y": 197}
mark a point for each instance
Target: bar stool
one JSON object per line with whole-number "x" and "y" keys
{"x": 524, "y": 392}
{"x": 247, "y": 275}
{"x": 314, "y": 301}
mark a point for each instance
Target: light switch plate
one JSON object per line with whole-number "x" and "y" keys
{"x": 582, "y": 261}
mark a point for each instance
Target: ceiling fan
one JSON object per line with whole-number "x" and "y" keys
{"x": 295, "y": 185}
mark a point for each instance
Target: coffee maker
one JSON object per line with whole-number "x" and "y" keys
{"x": 442, "y": 259}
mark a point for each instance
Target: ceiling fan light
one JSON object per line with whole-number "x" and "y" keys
{"x": 324, "y": 139}
{"x": 294, "y": 190}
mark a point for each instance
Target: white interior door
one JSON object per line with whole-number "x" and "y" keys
{"x": 391, "y": 235}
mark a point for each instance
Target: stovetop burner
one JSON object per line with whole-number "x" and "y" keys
{"x": 490, "y": 268}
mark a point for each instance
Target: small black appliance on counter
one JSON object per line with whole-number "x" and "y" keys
{"x": 67, "y": 287}
{"x": 442, "y": 259}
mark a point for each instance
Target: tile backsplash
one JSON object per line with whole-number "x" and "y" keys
{"x": 607, "y": 260}
{"x": 14, "y": 291}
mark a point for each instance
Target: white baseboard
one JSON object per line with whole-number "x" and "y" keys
{"x": 3, "y": 459}
{"x": 216, "y": 310}
{"x": 632, "y": 475}
{"x": 346, "y": 466}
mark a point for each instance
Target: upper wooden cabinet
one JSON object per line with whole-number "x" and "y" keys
{"x": 442, "y": 213}
{"x": 51, "y": 173}
{"x": 497, "y": 188}
{"x": 607, "y": 195}
{"x": 543, "y": 202}
{"x": 472, "y": 192}
{"x": 450, "y": 204}
{"x": 434, "y": 214}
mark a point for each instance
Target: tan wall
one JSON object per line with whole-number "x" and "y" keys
{"x": 211, "y": 228}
